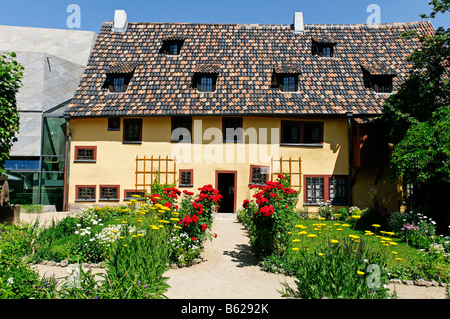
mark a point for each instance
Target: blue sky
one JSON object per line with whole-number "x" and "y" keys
{"x": 52, "y": 13}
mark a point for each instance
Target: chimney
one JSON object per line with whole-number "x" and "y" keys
{"x": 299, "y": 28}
{"x": 120, "y": 21}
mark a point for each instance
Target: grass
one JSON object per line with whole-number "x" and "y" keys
{"x": 338, "y": 230}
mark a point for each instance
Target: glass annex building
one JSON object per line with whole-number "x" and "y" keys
{"x": 40, "y": 180}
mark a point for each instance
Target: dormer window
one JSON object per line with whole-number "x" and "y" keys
{"x": 172, "y": 45}
{"x": 206, "y": 82}
{"x": 378, "y": 77}
{"x": 118, "y": 77}
{"x": 323, "y": 47}
{"x": 285, "y": 78}
{"x": 205, "y": 77}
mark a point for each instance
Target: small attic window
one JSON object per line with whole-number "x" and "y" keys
{"x": 286, "y": 78}
{"x": 379, "y": 78}
{"x": 205, "y": 82}
{"x": 118, "y": 77}
{"x": 172, "y": 46}
{"x": 323, "y": 48}
{"x": 205, "y": 77}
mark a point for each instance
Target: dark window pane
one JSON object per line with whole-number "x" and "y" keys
{"x": 338, "y": 189}
{"x": 181, "y": 129}
{"x": 108, "y": 193}
{"x": 173, "y": 49}
{"x": 119, "y": 84}
{"x": 129, "y": 194}
{"x": 289, "y": 84}
{"x": 114, "y": 123}
{"x": 86, "y": 193}
{"x": 314, "y": 190}
{"x": 259, "y": 175}
{"x": 186, "y": 178}
{"x": 290, "y": 132}
{"x": 132, "y": 130}
{"x": 312, "y": 133}
{"x": 86, "y": 154}
{"x": 206, "y": 84}
{"x": 233, "y": 129}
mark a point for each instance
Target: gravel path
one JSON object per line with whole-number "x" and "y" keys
{"x": 229, "y": 271}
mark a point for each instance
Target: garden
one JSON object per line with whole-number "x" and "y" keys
{"x": 135, "y": 243}
{"x": 338, "y": 252}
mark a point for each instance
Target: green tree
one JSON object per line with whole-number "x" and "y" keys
{"x": 11, "y": 73}
{"x": 418, "y": 118}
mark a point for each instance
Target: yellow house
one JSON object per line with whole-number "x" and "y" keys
{"x": 232, "y": 105}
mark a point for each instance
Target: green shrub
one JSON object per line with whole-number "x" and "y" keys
{"x": 270, "y": 217}
{"x": 138, "y": 259}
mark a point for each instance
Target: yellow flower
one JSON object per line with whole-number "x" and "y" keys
{"x": 137, "y": 196}
{"x": 346, "y": 225}
{"x": 139, "y": 220}
{"x": 394, "y": 252}
{"x": 393, "y": 243}
{"x": 338, "y": 215}
{"x": 322, "y": 218}
{"x": 134, "y": 236}
{"x": 140, "y": 235}
{"x": 360, "y": 272}
{"x": 125, "y": 245}
{"x": 114, "y": 231}
{"x": 356, "y": 216}
{"x": 302, "y": 232}
{"x": 337, "y": 224}
{"x": 161, "y": 211}
{"x": 296, "y": 240}
{"x": 398, "y": 259}
{"x": 320, "y": 254}
{"x": 312, "y": 235}
{"x": 295, "y": 248}
{"x": 339, "y": 229}
{"x": 175, "y": 219}
{"x": 124, "y": 221}
{"x": 121, "y": 237}
{"x": 375, "y": 225}
{"x": 177, "y": 227}
{"x": 334, "y": 241}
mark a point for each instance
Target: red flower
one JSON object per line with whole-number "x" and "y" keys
{"x": 215, "y": 235}
{"x": 262, "y": 201}
{"x": 273, "y": 195}
{"x": 195, "y": 218}
{"x": 266, "y": 211}
{"x": 246, "y": 203}
{"x": 188, "y": 193}
{"x": 167, "y": 204}
{"x": 204, "y": 226}
{"x": 198, "y": 207}
{"x": 193, "y": 238}
{"x": 280, "y": 176}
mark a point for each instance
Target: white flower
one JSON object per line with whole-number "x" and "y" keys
{"x": 10, "y": 281}
{"x": 77, "y": 232}
{"x": 78, "y": 225}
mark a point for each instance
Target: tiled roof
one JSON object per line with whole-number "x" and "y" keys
{"x": 245, "y": 57}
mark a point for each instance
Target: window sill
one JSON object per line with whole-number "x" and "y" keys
{"x": 85, "y": 200}
{"x": 186, "y": 185}
{"x": 85, "y": 161}
{"x": 181, "y": 141}
{"x": 109, "y": 200}
{"x": 131, "y": 142}
{"x": 302, "y": 144}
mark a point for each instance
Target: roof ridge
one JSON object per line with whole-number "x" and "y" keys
{"x": 354, "y": 25}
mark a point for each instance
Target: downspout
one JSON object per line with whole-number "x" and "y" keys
{"x": 66, "y": 165}
{"x": 349, "y": 116}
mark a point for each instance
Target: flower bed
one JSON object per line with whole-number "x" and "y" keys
{"x": 137, "y": 243}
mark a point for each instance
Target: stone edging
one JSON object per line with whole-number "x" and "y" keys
{"x": 419, "y": 282}
{"x": 65, "y": 263}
